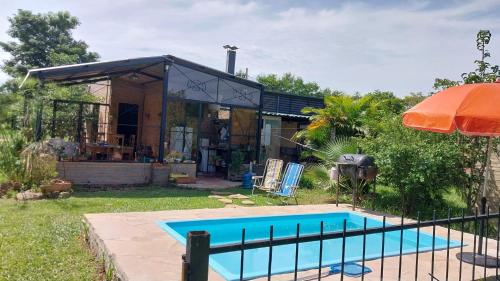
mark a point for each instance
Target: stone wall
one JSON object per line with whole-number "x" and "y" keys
{"x": 121, "y": 173}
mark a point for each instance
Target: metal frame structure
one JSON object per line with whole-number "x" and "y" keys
{"x": 80, "y": 104}
{"x": 99, "y": 71}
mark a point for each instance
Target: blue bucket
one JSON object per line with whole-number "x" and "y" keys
{"x": 247, "y": 180}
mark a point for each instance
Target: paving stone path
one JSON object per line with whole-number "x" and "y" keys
{"x": 228, "y": 197}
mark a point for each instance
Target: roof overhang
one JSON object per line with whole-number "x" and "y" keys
{"x": 146, "y": 67}
{"x": 299, "y": 116}
{"x": 94, "y": 71}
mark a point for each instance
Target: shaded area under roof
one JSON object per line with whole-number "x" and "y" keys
{"x": 144, "y": 66}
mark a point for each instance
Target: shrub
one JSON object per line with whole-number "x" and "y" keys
{"x": 39, "y": 164}
{"x": 328, "y": 155}
{"x": 306, "y": 181}
{"x": 420, "y": 165}
{"x": 237, "y": 158}
{"x": 11, "y": 145}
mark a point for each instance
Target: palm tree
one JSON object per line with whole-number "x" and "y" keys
{"x": 342, "y": 115}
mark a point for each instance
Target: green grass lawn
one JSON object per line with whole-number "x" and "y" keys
{"x": 41, "y": 240}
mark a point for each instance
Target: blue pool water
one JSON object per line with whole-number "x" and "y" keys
{"x": 256, "y": 260}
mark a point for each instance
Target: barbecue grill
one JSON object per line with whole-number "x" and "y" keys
{"x": 356, "y": 167}
{"x": 359, "y": 166}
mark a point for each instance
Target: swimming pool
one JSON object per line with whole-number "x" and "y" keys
{"x": 229, "y": 230}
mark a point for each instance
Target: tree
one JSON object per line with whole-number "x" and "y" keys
{"x": 40, "y": 40}
{"x": 295, "y": 85}
{"x": 420, "y": 165}
{"x": 442, "y": 84}
{"x": 473, "y": 149}
{"x": 387, "y": 101}
{"x": 485, "y": 72}
{"x": 43, "y": 40}
{"x": 413, "y": 99}
{"x": 342, "y": 115}
{"x": 349, "y": 116}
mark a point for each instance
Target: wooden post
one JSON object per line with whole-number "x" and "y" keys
{"x": 195, "y": 262}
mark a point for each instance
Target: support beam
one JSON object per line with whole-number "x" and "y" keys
{"x": 79, "y": 126}
{"x": 85, "y": 81}
{"x": 259, "y": 128}
{"x": 79, "y": 102}
{"x": 163, "y": 121}
{"x": 54, "y": 116}
{"x": 106, "y": 73}
{"x": 39, "y": 113}
{"x": 150, "y": 75}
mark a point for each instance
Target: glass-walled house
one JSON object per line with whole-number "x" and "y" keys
{"x": 170, "y": 111}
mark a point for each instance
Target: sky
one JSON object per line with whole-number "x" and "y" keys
{"x": 352, "y": 46}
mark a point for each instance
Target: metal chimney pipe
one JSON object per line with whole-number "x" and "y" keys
{"x": 230, "y": 58}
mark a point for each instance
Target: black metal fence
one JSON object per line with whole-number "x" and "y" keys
{"x": 198, "y": 249}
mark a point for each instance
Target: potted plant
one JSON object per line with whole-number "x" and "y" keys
{"x": 174, "y": 157}
{"x": 56, "y": 185}
{"x": 235, "y": 168}
{"x": 39, "y": 160}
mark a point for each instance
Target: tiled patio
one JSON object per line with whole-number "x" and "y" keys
{"x": 141, "y": 251}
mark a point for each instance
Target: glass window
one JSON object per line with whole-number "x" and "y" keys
{"x": 243, "y": 131}
{"x": 187, "y": 83}
{"x": 232, "y": 93}
{"x": 182, "y": 125}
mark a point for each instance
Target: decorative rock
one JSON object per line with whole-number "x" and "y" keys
{"x": 248, "y": 202}
{"x": 216, "y": 196}
{"x": 64, "y": 195}
{"x": 226, "y": 201}
{"x": 29, "y": 195}
{"x": 221, "y": 192}
{"x": 238, "y": 196}
{"x": 3, "y": 189}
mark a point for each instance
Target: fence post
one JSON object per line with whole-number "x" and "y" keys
{"x": 481, "y": 226}
{"x": 195, "y": 262}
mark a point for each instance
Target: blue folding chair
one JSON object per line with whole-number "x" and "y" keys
{"x": 290, "y": 182}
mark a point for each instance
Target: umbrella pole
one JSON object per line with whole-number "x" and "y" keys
{"x": 477, "y": 257}
{"x": 483, "y": 197}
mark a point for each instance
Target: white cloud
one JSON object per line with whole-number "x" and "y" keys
{"x": 353, "y": 46}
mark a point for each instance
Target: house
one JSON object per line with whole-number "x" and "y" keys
{"x": 163, "y": 114}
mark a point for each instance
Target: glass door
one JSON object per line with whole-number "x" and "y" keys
{"x": 214, "y": 140}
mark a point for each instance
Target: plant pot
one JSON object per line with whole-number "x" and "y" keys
{"x": 185, "y": 180}
{"x": 56, "y": 186}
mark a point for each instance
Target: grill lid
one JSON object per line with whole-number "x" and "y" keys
{"x": 357, "y": 159}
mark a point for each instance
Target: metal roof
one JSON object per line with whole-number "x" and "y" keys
{"x": 282, "y": 104}
{"x": 146, "y": 67}
{"x": 285, "y": 114}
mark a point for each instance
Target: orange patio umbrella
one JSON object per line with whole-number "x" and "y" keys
{"x": 471, "y": 109}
